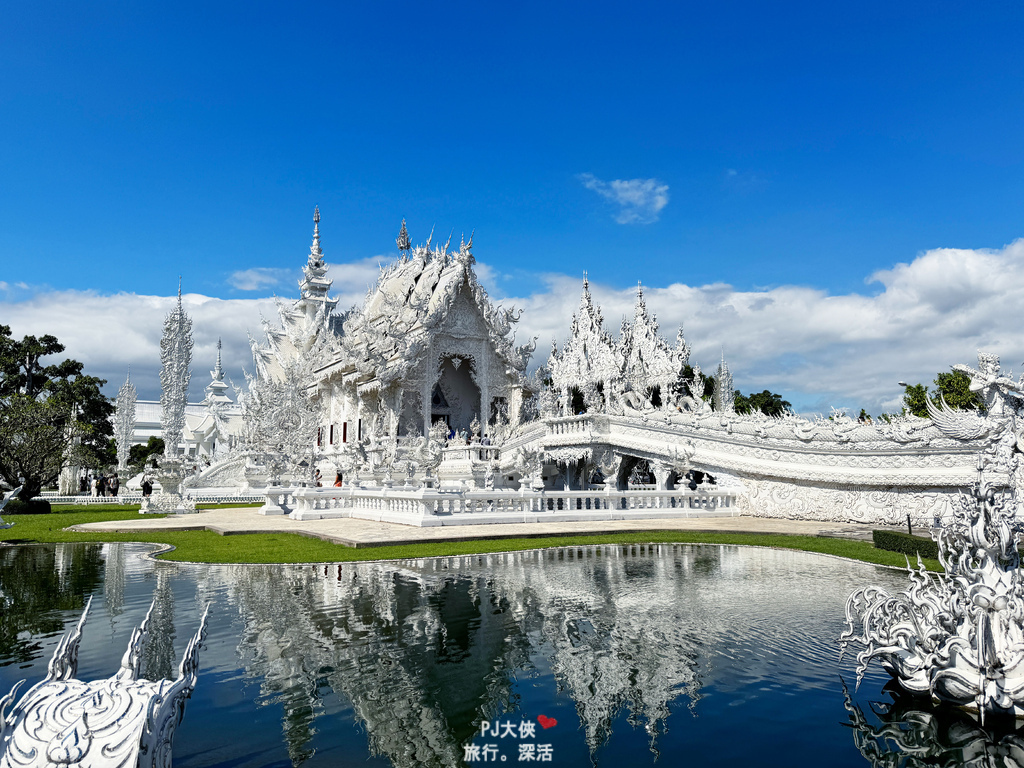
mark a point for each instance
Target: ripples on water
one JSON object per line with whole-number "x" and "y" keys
{"x": 696, "y": 655}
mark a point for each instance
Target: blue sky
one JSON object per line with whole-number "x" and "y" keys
{"x": 762, "y": 145}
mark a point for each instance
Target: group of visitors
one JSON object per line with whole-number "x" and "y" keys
{"x": 318, "y": 479}
{"x": 464, "y": 438}
{"x": 98, "y": 484}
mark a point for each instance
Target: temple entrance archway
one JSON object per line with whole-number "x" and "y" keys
{"x": 456, "y": 394}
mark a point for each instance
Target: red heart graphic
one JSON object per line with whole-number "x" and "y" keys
{"x": 546, "y": 722}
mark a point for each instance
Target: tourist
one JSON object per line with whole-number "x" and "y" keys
{"x": 318, "y": 479}
{"x": 92, "y": 485}
{"x": 337, "y": 481}
{"x": 147, "y": 488}
{"x": 101, "y": 485}
{"x": 113, "y": 484}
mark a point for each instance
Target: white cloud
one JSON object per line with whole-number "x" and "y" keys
{"x": 817, "y": 349}
{"x": 109, "y": 333}
{"x": 259, "y": 278}
{"x": 639, "y": 200}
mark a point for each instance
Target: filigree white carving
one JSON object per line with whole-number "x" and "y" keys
{"x": 957, "y": 635}
{"x": 175, "y": 375}
{"x": 120, "y": 721}
{"x": 124, "y": 421}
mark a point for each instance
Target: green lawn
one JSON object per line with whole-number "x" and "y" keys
{"x": 209, "y": 547}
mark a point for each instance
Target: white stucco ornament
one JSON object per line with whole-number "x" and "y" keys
{"x": 119, "y": 722}
{"x": 958, "y": 636}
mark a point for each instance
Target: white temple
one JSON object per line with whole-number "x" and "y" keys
{"x": 420, "y": 398}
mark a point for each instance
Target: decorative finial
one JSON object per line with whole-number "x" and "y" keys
{"x": 431, "y": 235}
{"x": 316, "y": 254}
{"x": 219, "y": 372}
{"x": 403, "y": 238}
{"x": 469, "y": 245}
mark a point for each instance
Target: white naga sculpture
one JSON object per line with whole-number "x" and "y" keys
{"x": 120, "y": 721}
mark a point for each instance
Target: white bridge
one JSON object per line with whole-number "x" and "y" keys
{"x": 831, "y": 469}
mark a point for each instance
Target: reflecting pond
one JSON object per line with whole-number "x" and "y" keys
{"x": 599, "y": 655}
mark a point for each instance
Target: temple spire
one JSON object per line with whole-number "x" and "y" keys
{"x": 316, "y": 255}
{"x": 218, "y": 372}
{"x": 403, "y": 238}
{"x": 725, "y": 395}
{"x": 315, "y": 284}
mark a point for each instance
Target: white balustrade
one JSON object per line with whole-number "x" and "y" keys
{"x": 432, "y": 506}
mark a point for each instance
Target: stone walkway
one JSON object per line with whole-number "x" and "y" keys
{"x": 367, "y": 533}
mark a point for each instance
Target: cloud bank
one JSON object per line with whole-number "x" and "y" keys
{"x": 639, "y": 201}
{"x": 818, "y": 349}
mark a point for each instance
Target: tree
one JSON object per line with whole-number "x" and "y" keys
{"x": 768, "y": 403}
{"x": 953, "y": 387}
{"x": 50, "y": 415}
{"x": 139, "y": 454}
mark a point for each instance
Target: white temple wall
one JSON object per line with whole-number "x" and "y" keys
{"x": 767, "y": 497}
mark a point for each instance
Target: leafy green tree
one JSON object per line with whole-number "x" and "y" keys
{"x": 915, "y": 397}
{"x": 138, "y": 455}
{"x": 953, "y": 387}
{"x": 49, "y": 414}
{"x": 768, "y": 403}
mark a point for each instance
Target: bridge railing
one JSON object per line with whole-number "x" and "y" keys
{"x": 417, "y": 503}
{"x": 476, "y": 453}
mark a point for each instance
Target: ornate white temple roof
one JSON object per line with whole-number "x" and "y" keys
{"x": 590, "y": 356}
{"x": 639, "y": 359}
{"x": 647, "y": 358}
{"x": 385, "y": 337}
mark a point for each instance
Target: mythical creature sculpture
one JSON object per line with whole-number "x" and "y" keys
{"x": 958, "y": 636}
{"x": 120, "y": 721}
{"x": 1002, "y": 422}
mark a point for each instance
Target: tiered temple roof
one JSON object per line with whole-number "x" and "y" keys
{"x": 386, "y": 337}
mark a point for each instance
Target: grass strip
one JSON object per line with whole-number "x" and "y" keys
{"x": 210, "y": 547}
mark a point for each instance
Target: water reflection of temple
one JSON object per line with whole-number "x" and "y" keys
{"x": 424, "y": 650}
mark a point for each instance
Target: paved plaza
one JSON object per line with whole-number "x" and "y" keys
{"x": 367, "y": 533}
